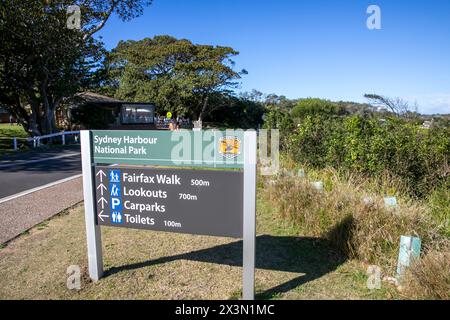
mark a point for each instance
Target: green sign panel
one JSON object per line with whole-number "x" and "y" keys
{"x": 214, "y": 149}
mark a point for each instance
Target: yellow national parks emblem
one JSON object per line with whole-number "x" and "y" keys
{"x": 229, "y": 147}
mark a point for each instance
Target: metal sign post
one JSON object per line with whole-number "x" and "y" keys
{"x": 93, "y": 233}
{"x": 177, "y": 199}
{"x": 248, "y": 274}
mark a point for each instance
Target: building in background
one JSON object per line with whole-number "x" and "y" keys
{"x": 102, "y": 112}
{"x": 5, "y": 116}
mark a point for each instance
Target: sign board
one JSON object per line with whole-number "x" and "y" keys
{"x": 409, "y": 250}
{"x": 201, "y": 182}
{"x": 390, "y": 202}
{"x": 201, "y": 202}
{"x": 207, "y": 149}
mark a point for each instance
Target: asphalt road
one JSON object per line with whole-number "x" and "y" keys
{"x": 21, "y": 172}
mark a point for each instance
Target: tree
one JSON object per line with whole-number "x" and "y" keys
{"x": 397, "y": 106}
{"x": 211, "y": 71}
{"x": 254, "y": 95}
{"x": 146, "y": 71}
{"x": 42, "y": 61}
{"x": 98, "y": 12}
{"x": 236, "y": 112}
{"x": 176, "y": 74}
{"x": 280, "y": 102}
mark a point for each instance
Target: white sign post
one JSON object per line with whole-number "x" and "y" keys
{"x": 248, "y": 291}
{"x": 93, "y": 234}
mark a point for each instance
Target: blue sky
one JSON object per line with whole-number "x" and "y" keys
{"x": 316, "y": 48}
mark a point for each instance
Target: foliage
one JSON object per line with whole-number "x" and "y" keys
{"x": 236, "y": 112}
{"x": 276, "y": 119}
{"x": 314, "y": 140}
{"x": 177, "y": 75}
{"x": 7, "y": 133}
{"x": 97, "y": 12}
{"x": 315, "y": 106}
{"x": 12, "y": 130}
{"x": 42, "y": 61}
{"x": 372, "y": 146}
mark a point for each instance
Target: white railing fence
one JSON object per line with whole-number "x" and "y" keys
{"x": 38, "y": 139}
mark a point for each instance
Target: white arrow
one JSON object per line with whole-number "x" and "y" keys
{"x": 101, "y": 187}
{"x": 102, "y": 201}
{"x": 101, "y": 216}
{"x": 101, "y": 174}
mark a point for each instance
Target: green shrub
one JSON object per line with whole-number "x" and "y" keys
{"x": 275, "y": 119}
{"x": 315, "y": 106}
{"x": 373, "y": 146}
{"x": 439, "y": 202}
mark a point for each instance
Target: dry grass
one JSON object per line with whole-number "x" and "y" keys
{"x": 429, "y": 277}
{"x": 366, "y": 231}
{"x": 142, "y": 264}
{"x": 138, "y": 264}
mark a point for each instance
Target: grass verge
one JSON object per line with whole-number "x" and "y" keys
{"x": 7, "y": 133}
{"x": 156, "y": 265}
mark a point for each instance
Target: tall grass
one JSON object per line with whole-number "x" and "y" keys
{"x": 364, "y": 230}
{"x": 429, "y": 277}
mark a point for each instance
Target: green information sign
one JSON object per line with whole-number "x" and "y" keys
{"x": 180, "y": 199}
{"x": 214, "y": 149}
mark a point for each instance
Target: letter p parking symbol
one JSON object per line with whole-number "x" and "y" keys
{"x": 116, "y": 204}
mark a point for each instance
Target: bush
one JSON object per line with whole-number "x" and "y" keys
{"x": 315, "y": 106}
{"x": 275, "y": 119}
{"x": 439, "y": 202}
{"x": 315, "y": 142}
{"x": 238, "y": 113}
{"x": 371, "y": 146}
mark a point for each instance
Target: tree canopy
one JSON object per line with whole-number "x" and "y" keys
{"x": 311, "y": 106}
{"x": 176, "y": 74}
{"x": 42, "y": 61}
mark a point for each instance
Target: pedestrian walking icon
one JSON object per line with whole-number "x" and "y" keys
{"x": 114, "y": 189}
{"x": 114, "y": 175}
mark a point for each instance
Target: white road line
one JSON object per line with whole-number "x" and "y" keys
{"x": 23, "y": 193}
{"x": 21, "y": 162}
